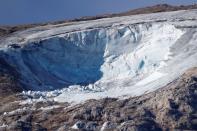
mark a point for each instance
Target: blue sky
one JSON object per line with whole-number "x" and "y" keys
{"x": 35, "y": 11}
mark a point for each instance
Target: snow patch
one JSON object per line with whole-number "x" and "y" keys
{"x": 49, "y": 108}
{"x": 151, "y": 78}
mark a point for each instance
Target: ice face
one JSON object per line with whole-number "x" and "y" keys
{"x": 63, "y": 61}
{"x": 101, "y": 55}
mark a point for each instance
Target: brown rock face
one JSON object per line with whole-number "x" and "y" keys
{"x": 171, "y": 107}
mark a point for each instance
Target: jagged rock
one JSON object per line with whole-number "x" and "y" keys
{"x": 108, "y": 126}
{"x": 62, "y": 128}
{"x": 91, "y": 126}
{"x": 97, "y": 112}
{"x": 171, "y": 107}
{"x": 79, "y": 125}
{"x": 140, "y": 125}
{"x": 38, "y": 127}
{"x": 20, "y": 125}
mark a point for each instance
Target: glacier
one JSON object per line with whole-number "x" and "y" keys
{"x": 110, "y": 57}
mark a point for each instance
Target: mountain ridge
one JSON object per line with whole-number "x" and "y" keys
{"x": 5, "y": 30}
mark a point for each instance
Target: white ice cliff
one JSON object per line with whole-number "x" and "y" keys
{"x": 112, "y": 57}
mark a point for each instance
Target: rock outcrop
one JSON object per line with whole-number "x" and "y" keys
{"x": 172, "y": 107}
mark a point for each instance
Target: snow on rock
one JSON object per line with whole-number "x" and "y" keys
{"x": 49, "y": 108}
{"x": 113, "y": 57}
{"x": 79, "y": 125}
{"x": 108, "y": 126}
{"x": 151, "y": 78}
{"x": 17, "y": 111}
{"x": 3, "y": 126}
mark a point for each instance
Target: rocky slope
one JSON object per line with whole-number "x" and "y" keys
{"x": 169, "y": 108}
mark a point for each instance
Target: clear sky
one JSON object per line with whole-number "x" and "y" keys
{"x": 34, "y": 11}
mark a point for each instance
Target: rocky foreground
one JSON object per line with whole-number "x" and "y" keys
{"x": 171, "y": 107}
